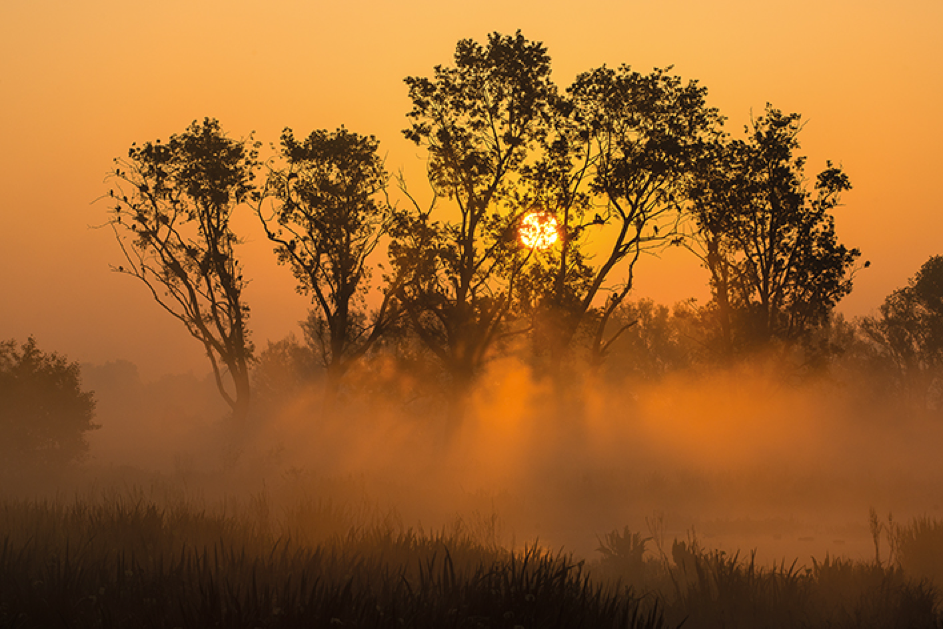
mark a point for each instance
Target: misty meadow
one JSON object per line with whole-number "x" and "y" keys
{"x": 478, "y": 424}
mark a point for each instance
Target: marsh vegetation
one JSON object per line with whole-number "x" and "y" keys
{"x": 140, "y": 559}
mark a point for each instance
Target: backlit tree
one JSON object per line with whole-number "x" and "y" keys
{"x": 172, "y": 206}
{"x": 480, "y": 120}
{"x": 328, "y": 213}
{"x": 777, "y": 267}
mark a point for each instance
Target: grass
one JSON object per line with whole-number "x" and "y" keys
{"x": 127, "y": 561}
{"x": 704, "y": 588}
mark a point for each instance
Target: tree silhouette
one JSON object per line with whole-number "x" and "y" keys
{"x": 909, "y": 333}
{"x": 777, "y": 268}
{"x": 330, "y": 211}
{"x": 171, "y": 216}
{"x": 480, "y": 121}
{"x": 656, "y": 341}
{"x": 630, "y": 143}
{"x": 44, "y": 413}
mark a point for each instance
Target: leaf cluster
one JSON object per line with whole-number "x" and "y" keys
{"x": 908, "y": 332}
{"x": 330, "y": 211}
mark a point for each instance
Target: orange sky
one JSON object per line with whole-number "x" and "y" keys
{"x": 81, "y": 81}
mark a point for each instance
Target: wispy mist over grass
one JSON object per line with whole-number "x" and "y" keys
{"x": 697, "y": 489}
{"x": 751, "y": 456}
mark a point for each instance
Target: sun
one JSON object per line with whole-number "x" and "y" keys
{"x": 538, "y": 230}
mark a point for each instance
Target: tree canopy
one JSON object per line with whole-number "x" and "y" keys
{"x": 171, "y": 216}
{"x": 777, "y": 267}
{"x": 643, "y": 134}
{"x": 44, "y": 413}
{"x": 480, "y": 121}
{"x": 620, "y": 164}
{"x": 329, "y": 213}
{"x": 908, "y": 333}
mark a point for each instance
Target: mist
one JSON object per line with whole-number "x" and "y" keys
{"x": 745, "y": 458}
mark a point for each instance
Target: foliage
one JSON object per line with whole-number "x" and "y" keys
{"x": 621, "y": 160}
{"x": 919, "y": 548}
{"x": 834, "y": 592}
{"x": 284, "y": 370}
{"x": 623, "y": 556}
{"x": 329, "y": 215}
{"x": 646, "y": 133}
{"x": 479, "y": 121}
{"x": 908, "y": 334}
{"x": 127, "y": 561}
{"x": 777, "y": 267}
{"x": 656, "y": 340}
{"x": 502, "y": 142}
{"x": 173, "y": 203}
{"x": 621, "y": 143}
{"x": 44, "y": 413}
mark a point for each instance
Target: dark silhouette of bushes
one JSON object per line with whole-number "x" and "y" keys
{"x": 44, "y": 413}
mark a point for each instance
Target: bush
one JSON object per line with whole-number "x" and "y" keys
{"x": 920, "y": 549}
{"x": 44, "y": 414}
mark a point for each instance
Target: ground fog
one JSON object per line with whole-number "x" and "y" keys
{"x": 744, "y": 459}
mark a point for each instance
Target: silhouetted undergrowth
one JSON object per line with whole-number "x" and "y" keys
{"x": 131, "y": 562}
{"x": 711, "y": 588}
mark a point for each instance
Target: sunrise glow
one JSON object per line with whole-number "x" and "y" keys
{"x": 386, "y": 303}
{"x": 538, "y": 230}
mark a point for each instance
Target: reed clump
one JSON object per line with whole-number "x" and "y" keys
{"x": 706, "y": 588}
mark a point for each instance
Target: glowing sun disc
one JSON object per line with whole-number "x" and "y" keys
{"x": 538, "y": 230}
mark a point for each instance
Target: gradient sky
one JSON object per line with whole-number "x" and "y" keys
{"x": 81, "y": 81}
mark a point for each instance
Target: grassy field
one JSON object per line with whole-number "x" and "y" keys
{"x": 130, "y": 560}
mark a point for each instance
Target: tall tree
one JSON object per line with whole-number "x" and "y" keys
{"x": 480, "y": 121}
{"x": 777, "y": 267}
{"x": 624, "y": 144}
{"x": 171, "y": 216}
{"x": 330, "y": 211}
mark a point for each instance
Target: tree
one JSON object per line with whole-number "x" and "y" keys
{"x": 634, "y": 140}
{"x": 777, "y": 267}
{"x": 480, "y": 121}
{"x": 330, "y": 211}
{"x": 655, "y": 343}
{"x": 909, "y": 333}
{"x": 171, "y": 216}
{"x": 44, "y": 413}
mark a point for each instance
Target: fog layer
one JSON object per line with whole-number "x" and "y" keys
{"x": 744, "y": 458}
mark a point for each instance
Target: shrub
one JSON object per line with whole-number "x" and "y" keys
{"x": 44, "y": 414}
